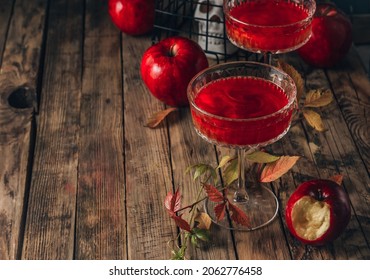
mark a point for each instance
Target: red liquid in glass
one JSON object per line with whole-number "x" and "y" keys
{"x": 232, "y": 101}
{"x": 270, "y": 26}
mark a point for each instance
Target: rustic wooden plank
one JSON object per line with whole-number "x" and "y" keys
{"x": 15, "y": 137}
{"x": 101, "y": 222}
{"x": 324, "y": 155}
{"x": 351, "y": 86}
{"x": 6, "y": 7}
{"x": 354, "y": 103}
{"x": 18, "y": 86}
{"x": 50, "y": 220}
{"x": 147, "y": 161}
{"x": 187, "y": 148}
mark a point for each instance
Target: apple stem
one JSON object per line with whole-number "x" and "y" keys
{"x": 172, "y": 51}
{"x": 329, "y": 11}
{"x": 320, "y": 195}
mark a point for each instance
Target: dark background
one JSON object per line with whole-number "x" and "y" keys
{"x": 354, "y": 6}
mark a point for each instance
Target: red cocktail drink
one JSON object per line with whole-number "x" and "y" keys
{"x": 243, "y": 105}
{"x": 268, "y": 25}
{"x": 242, "y": 111}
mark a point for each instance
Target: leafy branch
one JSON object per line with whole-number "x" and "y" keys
{"x": 197, "y": 227}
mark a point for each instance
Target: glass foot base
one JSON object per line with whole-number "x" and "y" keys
{"x": 261, "y": 209}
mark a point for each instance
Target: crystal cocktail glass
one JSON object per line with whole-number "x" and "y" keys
{"x": 269, "y": 26}
{"x": 244, "y": 106}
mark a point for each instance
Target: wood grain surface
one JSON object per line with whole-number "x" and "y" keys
{"x": 82, "y": 177}
{"x": 21, "y": 39}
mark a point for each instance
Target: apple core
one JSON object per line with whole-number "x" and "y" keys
{"x": 310, "y": 218}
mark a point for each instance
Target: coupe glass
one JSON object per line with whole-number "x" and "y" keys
{"x": 244, "y": 106}
{"x": 269, "y": 26}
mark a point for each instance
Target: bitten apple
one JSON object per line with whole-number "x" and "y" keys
{"x": 317, "y": 212}
{"x": 168, "y": 66}
{"x": 133, "y": 17}
{"x": 331, "y": 37}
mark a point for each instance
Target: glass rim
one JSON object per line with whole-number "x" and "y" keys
{"x": 310, "y": 16}
{"x": 291, "y": 99}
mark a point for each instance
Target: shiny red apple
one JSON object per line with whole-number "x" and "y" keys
{"x": 168, "y": 66}
{"x": 133, "y": 17}
{"x": 318, "y": 211}
{"x": 331, "y": 37}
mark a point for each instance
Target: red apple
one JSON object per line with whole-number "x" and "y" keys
{"x": 317, "y": 212}
{"x": 331, "y": 37}
{"x": 168, "y": 66}
{"x": 133, "y": 17}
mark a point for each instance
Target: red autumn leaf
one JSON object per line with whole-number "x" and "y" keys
{"x": 220, "y": 210}
{"x": 158, "y": 117}
{"x": 213, "y": 193}
{"x": 238, "y": 216}
{"x": 181, "y": 223}
{"x": 172, "y": 202}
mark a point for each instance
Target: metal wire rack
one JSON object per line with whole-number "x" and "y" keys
{"x": 201, "y": 20}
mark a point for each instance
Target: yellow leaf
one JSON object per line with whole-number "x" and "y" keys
{"x": 224, "y": 161}
{"x": 203, "y": 219}
{"x": 158, "y": 117}
{"x": 318, "y": 98}
{"x": 261, "y": 157}
{"x": 314, "y": 119}
{"x": 294, "y": 74}
{"x": 230, "y": 173}
{"x": 276, "y": 169}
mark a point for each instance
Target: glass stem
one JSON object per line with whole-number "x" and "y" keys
{"x": 241, "y": 194}
{"x": 267, "y": 58}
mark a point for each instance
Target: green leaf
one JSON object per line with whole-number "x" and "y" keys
{"x": 202, "y": 234}
{"x": 261, "y": 157}
{"x": 194, "y": 240}
{"x": 201, "y": 169}
{"x": 230, "y": 173}
{"x": 179, "y": 254}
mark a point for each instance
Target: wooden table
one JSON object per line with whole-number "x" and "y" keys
{"x": 81, "y": 177}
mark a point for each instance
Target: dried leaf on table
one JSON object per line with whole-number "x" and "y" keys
{"x": 318, "y": 98}
{"x": 314, "y": 119}
{"x": 158, "y": 117}
{"x": 337, "y": 179}
{"x": 294, "y": 74}
{"x": 203, "y": 220}
{"x": 276, "y": 169}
